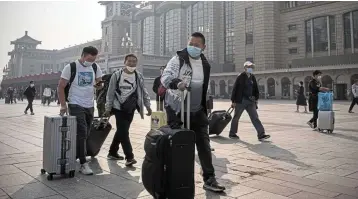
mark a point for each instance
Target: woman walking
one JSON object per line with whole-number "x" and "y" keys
{"x": 301, "y": 98}
{"x": 30, "y": 94}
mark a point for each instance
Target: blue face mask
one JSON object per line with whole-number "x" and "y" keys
{"x": 249, "y": 70}
{"x": 193, "y": 51}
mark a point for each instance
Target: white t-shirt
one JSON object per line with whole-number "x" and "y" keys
{"x": 81, "y": 91}
{"x": 196, "y": 84}
{"x": 127, "y": 85}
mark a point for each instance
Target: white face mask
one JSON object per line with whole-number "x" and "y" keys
{"x": 131, "y": 69}
{"x": 86, "y": 63}
{"x": 32, "y": 85}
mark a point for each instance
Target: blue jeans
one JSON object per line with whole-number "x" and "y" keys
{"x": 250, "y": 108}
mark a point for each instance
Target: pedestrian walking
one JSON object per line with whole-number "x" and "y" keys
{"x": 354, "y": 96}
{"x": 126, "y": 93}
{"x": 47, "y": 95}
{"x": 76, "y": 86}
{"x": 244, "y": 97}
{"x": 30, "y": 94}
{"x": 301, "y": 98}
{"x": 314, "y": 88}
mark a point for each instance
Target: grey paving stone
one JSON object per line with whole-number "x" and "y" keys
{"x": 311, "y": 189}
{"x": 2, "y": 193}
{"x": 239, "y": 190}
{"x": 262, "y": 195}
{"x": 272, "y": 188}
{"x": 8, "y": 169}
{"x": 15, "y": 179}
{"x": 349, "y": 182}
{"x": 29, "y": 191}
{"x": 53, "y": 197}
{"x": 354, "y": 175}
{"x": 294, "y": 179}
{"x": 306, "y": 195}
{"x": 343, "y": 196}
{"x": 339, "y": 189}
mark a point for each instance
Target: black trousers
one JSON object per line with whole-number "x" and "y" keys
{"x": 354, "y": 102}
{"x": 200, "y": 126}
{"x": 29, "y": 105}
{"x": 123, "y": 123}
{"x": 48, "y": 99}
{"x": 84, "y": 117}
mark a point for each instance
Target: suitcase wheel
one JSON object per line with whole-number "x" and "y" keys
{"x": 71, "y": 174}
{"x": 43, "y": 171}
{"x": 50, "y": 177}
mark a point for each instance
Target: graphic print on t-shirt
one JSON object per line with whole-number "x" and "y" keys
{"x": 85, "y": 79}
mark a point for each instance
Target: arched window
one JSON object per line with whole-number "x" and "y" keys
{"x": 320, "y": 34}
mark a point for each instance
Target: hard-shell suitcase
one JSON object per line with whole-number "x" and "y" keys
{"x": 326, "y": 121}
{"x": 59, "y": 146}
{"x": 99, "y": 131}
{"x": 158, "y": 118}
{"x": 218, "y": 120}
{"x": 168, "y": 167}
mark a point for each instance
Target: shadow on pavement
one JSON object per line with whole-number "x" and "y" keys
{"x": 272, "y": 151}
{"x": 347, "y": 137}
{"x": 223, "y": 140}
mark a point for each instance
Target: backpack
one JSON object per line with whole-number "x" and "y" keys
{"x": 73, "y": 75}
{"x": 101, "y": 94}
{"x": 162, "y": 90}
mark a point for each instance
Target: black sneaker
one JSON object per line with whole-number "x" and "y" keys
{"x": 234, "y": 136}
{"x": 264, "y": 137}
{"x": 310, "y": 124}
{"x": 213, "y": 185}
{"x": 115, "y": 156}
{"x": 130, "y": 162}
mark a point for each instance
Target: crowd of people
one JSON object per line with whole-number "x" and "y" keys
{"x": 124, "y": 92}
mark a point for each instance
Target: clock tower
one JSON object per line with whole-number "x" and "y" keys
{"x": 115, "y": 26}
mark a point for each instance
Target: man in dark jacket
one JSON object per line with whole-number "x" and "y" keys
{"x": 190, "y": 67}
{"x": 30, "y": 94}
{"x": 156, "y": 85}
{"x": 244, "y": 97}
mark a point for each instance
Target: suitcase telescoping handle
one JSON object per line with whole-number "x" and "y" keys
{"x": 187, "y": 107}
{"x": 230, "y": 110}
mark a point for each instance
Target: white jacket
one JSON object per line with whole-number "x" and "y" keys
{"x": 47, "y": 92}
{"x": 355, "y": 90}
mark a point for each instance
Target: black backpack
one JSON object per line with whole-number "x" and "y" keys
{"x": 73, "y": 75}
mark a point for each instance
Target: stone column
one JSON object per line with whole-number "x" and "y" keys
{"x": 291, "y": 90}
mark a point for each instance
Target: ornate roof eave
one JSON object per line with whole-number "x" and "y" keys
{"x": 26, "y": 39}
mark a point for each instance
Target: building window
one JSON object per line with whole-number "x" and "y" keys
{"x": 291, "y": 4}
{"x": 350, "y": 26}
{"x": 172, "y": 31}
{"x": 249, "y": 38}
{"x": 229, "y": 31}
{"x": 321, "y": 32}
{"x": 248, "y": 13}
{"x": 148, "y": 35}
{"x": 292, "y": 51}
{"x": 292, "y": 39}
{"x": 292, "y": 27}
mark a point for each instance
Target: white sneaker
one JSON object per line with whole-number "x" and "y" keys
{"x": 85, "y": 169}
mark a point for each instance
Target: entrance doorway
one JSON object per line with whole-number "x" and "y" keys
{"x": 341, "y": 91}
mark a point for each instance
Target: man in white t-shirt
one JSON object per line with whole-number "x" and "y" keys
{"x": 80, "y": 98}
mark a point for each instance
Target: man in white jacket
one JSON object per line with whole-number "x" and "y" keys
{"x": 47, "y": 95}
{"x": 355, "y": 96}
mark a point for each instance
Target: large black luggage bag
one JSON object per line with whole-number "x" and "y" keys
{"x": 218, "y": 120}
{"x": 168, "y": 167}
{"x": 99, "y": 131}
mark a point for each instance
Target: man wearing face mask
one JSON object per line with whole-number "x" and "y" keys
{"x": 83, "y": 76}
{"x": 190, "y": 68}
{"x": 314, "y": 88}
{"x": 30, "y": 94}
{"x": 126, "y": 93}
{"x": 244, "y": 97}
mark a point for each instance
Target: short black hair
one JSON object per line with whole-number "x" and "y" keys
{"x": 31, "y": 82}
{"x": 90, "y": 50}
{"x": 130, "y": 55}
{"x": 198, "y": 34}
{"x": 301, "y": 82}
{"x": 317, "y": 72}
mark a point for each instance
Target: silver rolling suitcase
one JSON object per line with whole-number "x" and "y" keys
{"x": 59, "y": 146}
{"x": 325, "y": 121}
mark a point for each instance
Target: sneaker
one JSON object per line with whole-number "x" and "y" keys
{"x": 85, "y": 169}
{"x": 213, "y": 185}
{"x": 264, "y": 137}
{"x": 32, "y": 113}
{"x": 310, "y": 124}
{"x": 234, "y": 136}
{"x": 25, "y": 112}
{"x": 130, "y": 162}
{"x": 350, "y": 112}
{"x": 115, "y": 156}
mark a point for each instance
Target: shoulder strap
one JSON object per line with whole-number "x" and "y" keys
{"x": 181, "y": 63}
{"x": 94, "y": 66}
{"x": 73, "y": 71}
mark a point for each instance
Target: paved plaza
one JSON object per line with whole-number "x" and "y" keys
{"x": 298, "y": 163}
